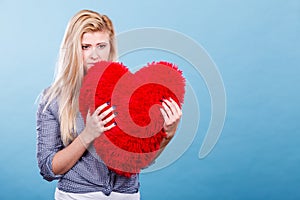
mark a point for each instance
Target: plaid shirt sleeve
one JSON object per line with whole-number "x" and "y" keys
{"x": 48, "y": 138}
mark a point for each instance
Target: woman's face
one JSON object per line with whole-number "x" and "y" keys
{"x": 95, "y": 47}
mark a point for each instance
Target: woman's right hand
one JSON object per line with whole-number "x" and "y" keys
{"x": 95, "y": 124}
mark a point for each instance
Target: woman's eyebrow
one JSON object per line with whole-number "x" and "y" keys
{"x": 87, "y": 44}
{"x": 103, "y": 42}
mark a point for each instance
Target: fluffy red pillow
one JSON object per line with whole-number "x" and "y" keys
{"x": 134, "y": 142}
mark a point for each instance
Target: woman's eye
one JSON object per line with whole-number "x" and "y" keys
{"x": 84, "y": 47}
{"x": 101, "y": 46}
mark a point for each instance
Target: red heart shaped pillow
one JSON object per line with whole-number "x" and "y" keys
{"x": 134, "y": 142}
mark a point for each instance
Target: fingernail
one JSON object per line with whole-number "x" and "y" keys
{"x": 108, "y": 103}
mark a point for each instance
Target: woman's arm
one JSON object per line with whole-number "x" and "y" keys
{"x": 172, "y": 114}
{"x": 48, "y": 137}
{"x": 66, "y": 158}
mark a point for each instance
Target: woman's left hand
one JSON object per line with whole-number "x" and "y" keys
{"x": 171, "y": 113}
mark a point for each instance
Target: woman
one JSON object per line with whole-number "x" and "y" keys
{"x": 63, "y": 138}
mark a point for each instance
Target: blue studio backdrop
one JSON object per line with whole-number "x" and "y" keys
{"x": 256, "y": 48}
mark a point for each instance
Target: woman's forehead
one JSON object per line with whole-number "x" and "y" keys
{"x": 95, "y": 37}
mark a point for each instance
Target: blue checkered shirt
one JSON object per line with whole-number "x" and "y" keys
{"x": 89, "y": 174}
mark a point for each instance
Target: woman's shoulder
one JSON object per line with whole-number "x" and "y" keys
{"x": 45, "y": 102}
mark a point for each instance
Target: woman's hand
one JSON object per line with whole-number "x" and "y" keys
{"x": 95, "y": 124}
{"x": 171, "y": 113}
{"x": 66, "y": 158}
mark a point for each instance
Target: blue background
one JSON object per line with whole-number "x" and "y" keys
{"x": 256, "y": 46}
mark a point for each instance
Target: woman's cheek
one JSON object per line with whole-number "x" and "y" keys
{"x": 85, "y": 56}
{"x": 106, "y": 54}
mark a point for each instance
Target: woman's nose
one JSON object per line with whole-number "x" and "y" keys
{"x": 94, "y": 54}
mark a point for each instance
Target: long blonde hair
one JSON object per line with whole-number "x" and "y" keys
{"x": 70, "y": 70}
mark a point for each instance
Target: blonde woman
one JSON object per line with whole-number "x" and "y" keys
{"x": 63, "y": 138}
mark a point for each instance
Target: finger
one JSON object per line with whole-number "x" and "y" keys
{"x": 171, "y": 106}
{"x": 178, "y": 109}
{"x": 105, "y": 113}
{"x": 175, "y": 117}
{"x": 108, "y": 119}
{"x": 164, "y": 114}
{"x": 109, "y": 127}
{"x": 88, "y": 115}
{"x": 100, "y": 108}
{"x": 167, "y": 109}
{"x": 176, "y": 114}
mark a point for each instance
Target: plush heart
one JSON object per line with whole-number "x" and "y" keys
{"x": 134, "y": 143}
